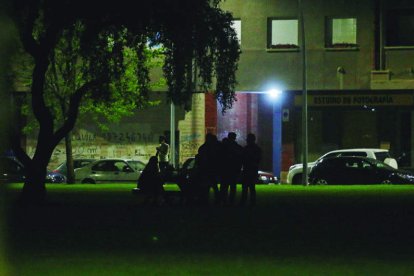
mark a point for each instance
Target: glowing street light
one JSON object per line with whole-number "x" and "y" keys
{"x": 274, "y": 93}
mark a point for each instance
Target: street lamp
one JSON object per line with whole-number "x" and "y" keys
{"x": 274, "y": 93}
{"x": 304, "y": 98}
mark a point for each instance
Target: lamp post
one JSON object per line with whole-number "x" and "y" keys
{"x": 172, "y": 134}
{"x": 304, "y": 99}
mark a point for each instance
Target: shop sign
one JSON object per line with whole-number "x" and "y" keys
{"x": 357, "y": 100}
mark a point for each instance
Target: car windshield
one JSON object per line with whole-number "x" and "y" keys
{"x": 382, "y": 155}
{"x": 136, "y": 165}
{"x": 344, "y": 153}
{"x": 82, "y": 162}
{"x": 10, "y": 165}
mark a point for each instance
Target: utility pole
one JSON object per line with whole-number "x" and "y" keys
{"x": 304, "y": 98}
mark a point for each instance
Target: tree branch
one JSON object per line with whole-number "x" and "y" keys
{"x": 73, "y": 110}
{"x": 27, "y": 19}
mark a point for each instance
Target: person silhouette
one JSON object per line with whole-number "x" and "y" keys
{"x": 230, "y": 168}
{"x": 251, "y": 157}
{"x": 163, "y": 153}
{"x": 150, "y": 182}
{"x": 208, "y": 160}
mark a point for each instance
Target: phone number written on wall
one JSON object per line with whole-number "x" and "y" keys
{"x": 132, "y": 137}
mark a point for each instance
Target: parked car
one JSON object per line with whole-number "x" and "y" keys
{"x": 55, "y": 177}
{"x": 77, "y": 163}
{"x": 11, "y": 170}
{"x": 295, "y": 171}
{"x": 110, "y": 171}
{"x": 189, "y": 165}
{"x": 356, "y": 170}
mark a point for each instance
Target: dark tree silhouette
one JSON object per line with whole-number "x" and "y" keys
{"x": 197, "y": 36}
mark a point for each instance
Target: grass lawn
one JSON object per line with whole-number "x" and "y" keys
{"x": 293, "y": 230}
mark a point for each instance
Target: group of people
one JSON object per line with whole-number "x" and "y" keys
{"x": 225, "y": 162}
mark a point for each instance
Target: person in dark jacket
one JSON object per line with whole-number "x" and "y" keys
{"x": 231, "y": 153}
{"x": 251, "y": 157}
{"x": 150, "y": 182}
{"x": 208, "y": 165}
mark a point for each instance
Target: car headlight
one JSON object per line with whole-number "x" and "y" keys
{"x": 263, "y": 177}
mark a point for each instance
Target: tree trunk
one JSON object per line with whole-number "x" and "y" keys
{"x": 69, "y": 159}
{"x": 34, "y": 188}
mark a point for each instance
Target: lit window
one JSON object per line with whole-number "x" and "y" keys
{"x": 400, "y": 28}
{"x": 283, "y": 33}
{"x": 237, "y": 27}
{"x": 341, "y": 32}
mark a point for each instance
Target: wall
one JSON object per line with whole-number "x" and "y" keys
{"x": 241, "y": 119}
{"x": 135, "y": 137}
{"x": 192, "y": 128}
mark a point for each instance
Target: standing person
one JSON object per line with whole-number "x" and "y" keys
{"x": 251, "y": 157}
{"x": 162, "y": 152}
{"x": 231, "y": 168}
{"x": 150, "y": 181}
{"x": 208, "y": 164}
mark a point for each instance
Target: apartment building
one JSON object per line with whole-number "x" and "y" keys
{"x": 360, "y": 74}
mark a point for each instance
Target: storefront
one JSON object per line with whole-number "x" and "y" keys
{"x": 352, "y": 119}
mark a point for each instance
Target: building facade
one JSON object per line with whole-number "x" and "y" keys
{"x": 360, "y": 82}
{"x": 360, "y": 77}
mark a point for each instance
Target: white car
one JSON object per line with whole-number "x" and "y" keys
{"x": 295, "y": 171}
{"x": 110, "y": 171}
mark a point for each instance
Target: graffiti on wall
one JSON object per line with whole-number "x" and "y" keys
{"x": 189, "y": 149}
{"x": 116, "y": 143}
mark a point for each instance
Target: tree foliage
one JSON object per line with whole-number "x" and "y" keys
{"x": 200, "y": 46}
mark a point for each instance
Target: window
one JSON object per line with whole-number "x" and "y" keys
{"x": 136, "y": 165}
{"x": 105, "y": 166}
{"x": 353, "y": 153}
{"x": 283, "y": 33}
{"x": 237, "y": 27}
{"x": 341, "y": 32}
{"x": 400, "y": 28}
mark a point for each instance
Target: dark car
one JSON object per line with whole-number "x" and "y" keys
{"x": 11, "y": 170}
{"x": 188, "y": 168}
{"x": 55, "y": 177}
{"x": 357, "y": 170}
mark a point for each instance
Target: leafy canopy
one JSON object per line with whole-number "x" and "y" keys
{"x": 198, "y": 39}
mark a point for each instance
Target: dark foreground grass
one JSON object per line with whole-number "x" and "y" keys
{"x": 294, "y": 230}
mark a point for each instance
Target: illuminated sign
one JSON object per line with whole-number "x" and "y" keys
{"x": 357, "y": 100}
